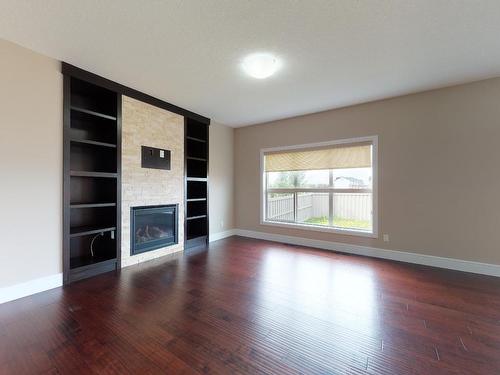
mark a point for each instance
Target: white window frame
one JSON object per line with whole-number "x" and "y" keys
{"x": 353, "y": 232}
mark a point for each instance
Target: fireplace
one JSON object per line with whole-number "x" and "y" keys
{"x": 152, "y": 227}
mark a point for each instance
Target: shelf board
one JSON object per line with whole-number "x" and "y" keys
{"x": 93, "y": 174}
{"x": 196, "y": 217}
{"x": 93, "y": 143}
{"x": 193, "y": 158}
{"x": 196, "y": 200}
{"x": 196, "y": 139}
{"x": 195, "y": 241}
{"x": 92, "y": 205}
{"x": 93, "y": 113}
{"x": 86, "y": 230}
{"x": 201, "y": 179}
{"x": 85, "y": 262}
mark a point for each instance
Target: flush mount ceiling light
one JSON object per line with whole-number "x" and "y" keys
{"x": 260, "y": 65}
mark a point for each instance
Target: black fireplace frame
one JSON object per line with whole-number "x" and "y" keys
{"x": 133, "y": 249}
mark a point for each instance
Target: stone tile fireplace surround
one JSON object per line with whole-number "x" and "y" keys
{"x": 146, "y": 125}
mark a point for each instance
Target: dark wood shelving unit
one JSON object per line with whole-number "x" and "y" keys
{"x": 92, "y": 174}
{"x": 92, "y": 169}
{"x": 196, "y": 183}
{"x": 93, "y": 113}
{"x": 86, "y": 230}
{"x": 89, "y": 263}
{"x": 196, "y": 139}
{"x": 94, "y": 143}
{"x": 193, "y": 158}
{"x": 196, "y": 217}
{"x": 89, "y": 205}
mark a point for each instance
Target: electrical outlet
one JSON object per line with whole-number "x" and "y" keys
{"x": 386, "y": 238}
{"x": 222, "y": 223}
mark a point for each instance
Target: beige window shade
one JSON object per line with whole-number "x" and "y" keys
{"x": 352, "y": 156}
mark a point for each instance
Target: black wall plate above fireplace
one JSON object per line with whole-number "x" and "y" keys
{"x": 155, "y": 158}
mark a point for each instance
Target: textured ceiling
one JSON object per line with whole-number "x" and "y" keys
{"x": 335, "y": 53}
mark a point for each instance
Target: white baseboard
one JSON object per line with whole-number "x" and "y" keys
{"x": 28, "y": 288}
{"x": 402, "y": 256}
{"x": 220, "y": 235}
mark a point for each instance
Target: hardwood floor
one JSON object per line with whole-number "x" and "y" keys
{"x": 251, "y": 306}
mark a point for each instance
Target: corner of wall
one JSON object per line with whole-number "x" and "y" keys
{"x": 221, "y": 180}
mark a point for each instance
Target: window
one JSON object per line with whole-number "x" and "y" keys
{"x": 328, "y": 186}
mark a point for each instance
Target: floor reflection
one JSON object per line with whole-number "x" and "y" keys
{"x": 327, "y": 289}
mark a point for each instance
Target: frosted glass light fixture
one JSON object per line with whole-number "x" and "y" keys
{"x": 260, "y": 65}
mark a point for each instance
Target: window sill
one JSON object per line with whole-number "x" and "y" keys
{"x": 317, "y": 228}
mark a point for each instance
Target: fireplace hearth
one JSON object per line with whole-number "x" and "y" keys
{"x": 152, "y": 227}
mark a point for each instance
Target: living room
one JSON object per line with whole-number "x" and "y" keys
{"x": 249, "y": 187}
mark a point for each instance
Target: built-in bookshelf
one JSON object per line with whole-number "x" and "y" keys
{"x": 196, "y": 175}
{"x": 92, "y": 172}
{"x": 91, "y": 179}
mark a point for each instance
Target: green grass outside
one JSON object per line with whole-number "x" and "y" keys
{"x": 340, "y": 222}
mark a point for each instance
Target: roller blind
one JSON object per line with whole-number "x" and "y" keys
{"x": 332, "y": 157}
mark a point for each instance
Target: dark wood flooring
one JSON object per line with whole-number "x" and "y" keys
{"x": 250, "y": 306}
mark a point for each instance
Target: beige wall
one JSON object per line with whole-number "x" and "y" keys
{"x": 144, "y": 124}
{"x": 221, "y": 193}
{"x": 439, "y": 163}
{"x": 30, "y": 165}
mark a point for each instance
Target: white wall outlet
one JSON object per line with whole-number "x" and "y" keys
{"x": 222, "y": 223}
{"x": 386, "y": 238}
